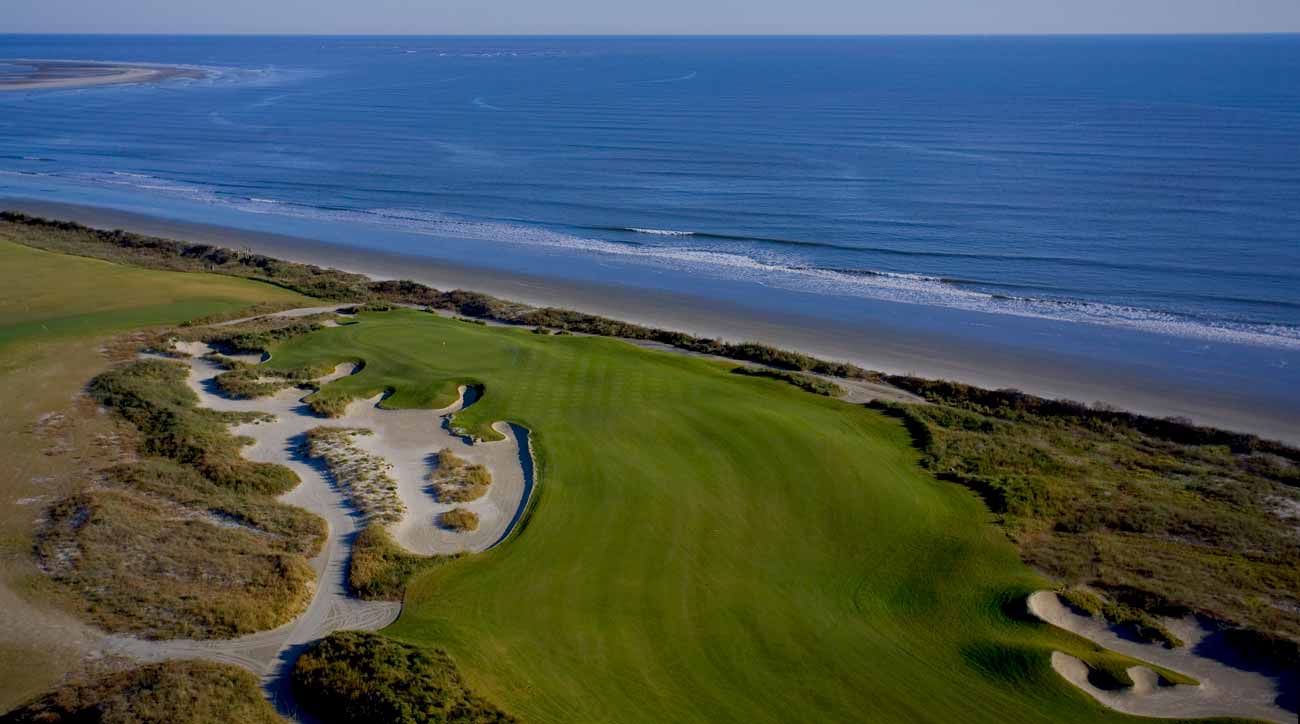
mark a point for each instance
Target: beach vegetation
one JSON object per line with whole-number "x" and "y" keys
{"x": 171, "y": 692}
{"x": 455, "y": 480}
{"x": 1159, "y": 517}
{"x": 460, "y": 520}
{"x": 353, "y": 677}
{"x": 814, "y": 385}
{"x": 380, "y": 568}
{"x": 362, "y": 476}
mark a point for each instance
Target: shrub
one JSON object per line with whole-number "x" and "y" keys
{"x": 459, "y": 520}
{"x": 172, "y": 692}
{"x": 380, "y": 568}
{"x": 352, "y": 677}
{"x": 457, "y": 481}
{"x": 1083, "y": 601}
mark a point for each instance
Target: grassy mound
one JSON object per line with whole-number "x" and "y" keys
{"x": 174, "y": 692}
{"x": 379, "y": 568}
{"x": 350, "y": 677}
{"x": 187, "y": 542}
{"x": 457, "y": 481}
{"x": 803, "y": 382}
{"x": 459, "y": 520}
{"x": 705, "y": 546}
{"x": 1159, "y": 516}
{"x": 133, "y": 564}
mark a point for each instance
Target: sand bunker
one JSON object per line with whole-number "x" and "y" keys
{"x": 407, "y": 439}
{"x": 1224, "y": 690}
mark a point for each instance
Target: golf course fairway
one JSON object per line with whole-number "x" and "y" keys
{"x": 709, "y": 547}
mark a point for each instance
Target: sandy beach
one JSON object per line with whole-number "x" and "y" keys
{"x": 28, "y": 74}
{"x": 1149, "y": 386}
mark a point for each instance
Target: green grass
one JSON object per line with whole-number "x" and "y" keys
{"x": 48, "y": 295}
{"x": 708, "y": 547}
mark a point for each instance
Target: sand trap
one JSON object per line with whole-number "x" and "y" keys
{"x": 1224, "y": 690}
{"x": 408, "y": 439}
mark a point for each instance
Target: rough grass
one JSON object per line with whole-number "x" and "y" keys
{"x": 132, "y": 564}
{"x": 457, "y": 481}
{"x": 459, "y": 520}
{"x": 1160, "y": 517}
{"x": 803, "y": 382}
{"x": 153, "y": 396}
{"x": 188, "y": 542}
{"x": 380, "y": 568}
{"x": 56, "y": 313}
{"x": 709, "y": 547}
{"x": 174, "y": 692}
{"x": 351, "y": 677}
{"x": 363, "y": 477}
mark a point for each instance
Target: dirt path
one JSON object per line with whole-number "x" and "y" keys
{"x": 1224, "y": 690}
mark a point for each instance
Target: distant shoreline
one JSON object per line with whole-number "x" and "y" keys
{"x": 38, "y": 74}
{"x": 872, "y": 344}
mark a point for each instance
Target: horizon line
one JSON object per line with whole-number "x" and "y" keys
{"x": 1126, "y": 34}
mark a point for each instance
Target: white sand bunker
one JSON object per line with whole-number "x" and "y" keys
{"x": 1224, "y": 690}
{"x": 408, "y": 441}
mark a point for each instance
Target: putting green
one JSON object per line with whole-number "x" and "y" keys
{"x": 708, "y": 547}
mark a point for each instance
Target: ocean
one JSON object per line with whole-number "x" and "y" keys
{"x": 1149, "y": 185}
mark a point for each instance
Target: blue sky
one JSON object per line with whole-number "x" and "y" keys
{"x": 651, "y": 16}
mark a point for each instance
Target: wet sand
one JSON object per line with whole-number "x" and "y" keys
{"x": 1170, "y": 384}
{"x": 27, "y": 74}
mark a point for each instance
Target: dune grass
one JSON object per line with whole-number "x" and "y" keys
{"x": 173, "y": 692}
{"x": 361, "y": 476}
{"x": 459, "y": 520}
{"x": 457, "y": 481}
{"x": 707, "y": 547}
{"x": 379, "y": 567}
{"x": 56, "y": 311}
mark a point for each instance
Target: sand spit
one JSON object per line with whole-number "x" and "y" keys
{"x": 409, "y": 440}
{"x": 1224, "y": 690}
{"x": 30, "y": 74}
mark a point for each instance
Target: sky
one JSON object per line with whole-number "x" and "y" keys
{"x": 667, "y": 17}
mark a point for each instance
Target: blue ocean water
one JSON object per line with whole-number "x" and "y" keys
{"x": 1139, "y": 183}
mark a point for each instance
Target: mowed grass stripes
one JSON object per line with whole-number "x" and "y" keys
{"x": 708, "y": 547}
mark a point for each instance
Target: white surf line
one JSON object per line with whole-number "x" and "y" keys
{"x": 1223, "y": 690}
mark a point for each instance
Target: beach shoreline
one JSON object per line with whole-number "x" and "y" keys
{"x": 1144, "y": 386}
{"x": 65, "y": 74}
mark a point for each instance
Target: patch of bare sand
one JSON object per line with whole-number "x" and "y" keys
{"x": 1224, "y": 690}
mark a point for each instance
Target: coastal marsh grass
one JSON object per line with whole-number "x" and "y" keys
{"x": 379, "y": 567}
{"x": 455, "y": 480}
{"x": 352, "y": 677}
{"x": 172, "y": 692}
{"x": 363, "y": 477}
{"x": 1160, "y": 518}
{"x": 459, "y": 520}
{"x": 697, "y": 536}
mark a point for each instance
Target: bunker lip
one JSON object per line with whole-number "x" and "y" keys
{"x": 1224, "y": 690}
